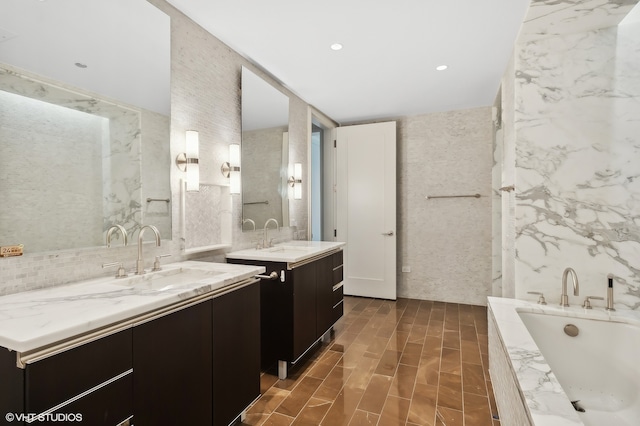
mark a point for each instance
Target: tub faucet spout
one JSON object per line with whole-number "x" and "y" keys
{"x": 564, "y": 298}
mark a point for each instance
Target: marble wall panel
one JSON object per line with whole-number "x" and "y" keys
{"x": 578, "y": 197}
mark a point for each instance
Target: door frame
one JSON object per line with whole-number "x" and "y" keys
{"x": 329, "y": 208}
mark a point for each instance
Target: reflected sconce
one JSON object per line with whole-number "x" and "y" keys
{"x": 188, "y": 161}
{"x": 296, "y": 181}
{"x": 231, "y": 169}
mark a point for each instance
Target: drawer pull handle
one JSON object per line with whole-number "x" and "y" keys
{"x": 271, "y": 276}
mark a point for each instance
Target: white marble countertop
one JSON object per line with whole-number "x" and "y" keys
{"x": 289, "y": 252}
{"x": 33, "y": 319}
{"x": 547, "y": 402}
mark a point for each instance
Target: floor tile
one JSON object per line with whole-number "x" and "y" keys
{"x": 406, "y": 362}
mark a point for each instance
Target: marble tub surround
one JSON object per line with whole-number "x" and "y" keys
{"x": 34, "y": 319}
{"x": 570, "y": 104}
{"x": 290, "y": 251}
{"x": 545, "y": 402}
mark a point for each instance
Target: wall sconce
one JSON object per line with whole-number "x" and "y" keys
{"x": 231, "y": 169}
{"x": 188, "y": 161}
{"x": 296, "y": 181}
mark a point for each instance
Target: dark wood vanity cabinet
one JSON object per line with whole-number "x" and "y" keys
{"x": 236, "y": 352}
{"x": 199, "y": 365}
{"x": 172, "y": 368}
{"x": 296, "y": 313}
{"x": 89, "y": 384}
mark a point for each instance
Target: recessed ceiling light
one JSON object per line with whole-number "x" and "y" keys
{"x": 336, "y": 46}
{"x": 441, "y": 67}
{"x": 80, "y": 65}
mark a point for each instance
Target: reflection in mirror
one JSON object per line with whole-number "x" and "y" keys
{"x": 265, "y": 153}
{"x": 84, "y": 123}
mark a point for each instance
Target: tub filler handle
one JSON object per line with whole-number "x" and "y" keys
{"x": 541, "y": 300}
{"x": 587, "y": 302}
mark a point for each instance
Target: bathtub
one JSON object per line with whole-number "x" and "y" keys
{"x": 537, "y": 370}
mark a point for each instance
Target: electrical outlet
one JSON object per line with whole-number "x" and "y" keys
{"x": 406, "y": 269}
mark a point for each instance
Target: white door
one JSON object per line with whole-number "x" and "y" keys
{"x": 366, "y": 187}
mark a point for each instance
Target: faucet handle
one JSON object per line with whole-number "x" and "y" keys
{"x": 121, "y": 272}
{"x": 541, "y": 299}
{"x": 587, "y": 302}
{"x": 156, "y": 264}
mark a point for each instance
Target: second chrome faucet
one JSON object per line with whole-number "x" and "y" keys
{"x": 140, "y": 262}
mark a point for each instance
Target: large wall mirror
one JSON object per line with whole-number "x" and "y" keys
{"x": 84, "y": 121}
{"x": 265, "y": 153}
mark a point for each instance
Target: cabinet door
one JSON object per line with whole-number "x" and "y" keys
{"x": 236, "y": 352}
{"x": 324, "y": 294}
{"x": 304, "y": 308}
{"x": 172, "y": 368}
{"x": 62, "y": 377}
{"x": 11, "y": 383}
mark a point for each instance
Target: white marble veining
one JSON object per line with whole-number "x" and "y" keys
{"x": 577, "y": 102}
{"x": 33, "y": 319}
{"x": 544, "y": 398}
{"x": 556, "y": 17}
{"x": 290, "y": 252}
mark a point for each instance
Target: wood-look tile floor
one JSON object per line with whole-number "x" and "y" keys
{"x": 408, "y": 362}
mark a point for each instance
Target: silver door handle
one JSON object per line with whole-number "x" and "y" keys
{"x": 388, "y": 234}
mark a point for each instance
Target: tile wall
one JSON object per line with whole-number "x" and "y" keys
{"x": 445, "y": 242}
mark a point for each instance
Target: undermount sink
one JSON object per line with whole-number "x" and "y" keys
{"x": 298, "y": 249}
{"x": 167, "y": 280}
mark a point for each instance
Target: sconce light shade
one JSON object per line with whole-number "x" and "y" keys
{"x": 188, "y": 161}
{"x": 296, "y": 181}
{"x": 231, "y": 169}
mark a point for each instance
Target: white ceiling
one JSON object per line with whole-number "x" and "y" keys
{"x": 391, "y": 48}
{"x": 126, "y": 61}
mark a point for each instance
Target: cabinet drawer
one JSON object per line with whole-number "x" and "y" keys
{"x": 337, "y": 259}
{"x": 338, "y": 310}
{"x": 337, "y": 275}
{"x": 110, "y": 405}
{"x": 60, "y": 377}
{"x": 338, "y": 295}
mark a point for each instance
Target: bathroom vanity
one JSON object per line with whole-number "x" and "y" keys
{"x": 302, "y": 300}
{"x": 160, "y": 348}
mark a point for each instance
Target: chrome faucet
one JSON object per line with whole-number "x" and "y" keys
{"x": 251, "y": 221}
{"x": 140, "y": 262}
{"x": 564, "y": 298}
{"x": 113, "y": 229}
{"x": 266, "y": 239}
